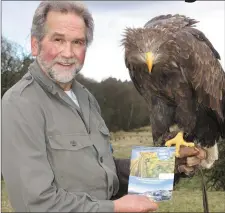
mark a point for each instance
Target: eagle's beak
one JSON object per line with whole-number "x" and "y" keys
{"x": 149, "y": 60}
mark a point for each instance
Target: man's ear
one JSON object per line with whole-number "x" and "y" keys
{"x": 34, "y": 46}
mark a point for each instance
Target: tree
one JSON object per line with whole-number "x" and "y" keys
{"x": 121, "y": 105}
{"x": 14, "y": 64}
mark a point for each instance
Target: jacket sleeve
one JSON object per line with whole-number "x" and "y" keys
{"x": 25, "y": 163}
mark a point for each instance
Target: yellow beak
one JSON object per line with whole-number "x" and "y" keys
{"x": 149, "y": 60}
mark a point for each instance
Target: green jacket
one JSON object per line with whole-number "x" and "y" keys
{"x": 55, "y": 155}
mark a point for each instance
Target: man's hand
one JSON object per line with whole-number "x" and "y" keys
{"x": 134, "y": 203}
{"x": 189, "y": 158}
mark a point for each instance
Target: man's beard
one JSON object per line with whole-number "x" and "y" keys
{"x": 59, "y": 74}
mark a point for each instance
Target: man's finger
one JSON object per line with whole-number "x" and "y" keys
{"x": 188, "y": 151}
{"x": 153, "y": 206}
{"x": 193, "y": 161}
{"x": 181, "y": 161}
{"x": 185, "y": 169}
{"x": 202, "y": 154}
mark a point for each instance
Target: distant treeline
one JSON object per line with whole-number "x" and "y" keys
{"x": 121, "y": 106}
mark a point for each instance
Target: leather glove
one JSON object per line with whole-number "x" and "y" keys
{"x": 190, "y": 158}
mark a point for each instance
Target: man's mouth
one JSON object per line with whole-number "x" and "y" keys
{"x": 65, "y": 64}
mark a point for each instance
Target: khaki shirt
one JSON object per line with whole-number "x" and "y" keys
{"x": 55, "y": 155}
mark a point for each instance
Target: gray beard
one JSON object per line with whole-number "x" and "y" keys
{"x": 53, "y": 74}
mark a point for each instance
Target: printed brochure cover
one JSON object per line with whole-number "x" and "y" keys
{"x": 152, "y": 172}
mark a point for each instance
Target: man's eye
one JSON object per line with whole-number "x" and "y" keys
{"x": 78, "y": 42}
{"x": 58, "y": 40}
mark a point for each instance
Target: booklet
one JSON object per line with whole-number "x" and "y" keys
{"x": 152, "y": 172}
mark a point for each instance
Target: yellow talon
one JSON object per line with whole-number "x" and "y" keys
{"x": 178, "y": 141}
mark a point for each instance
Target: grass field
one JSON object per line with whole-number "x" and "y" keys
{"x": 187, "y": 196}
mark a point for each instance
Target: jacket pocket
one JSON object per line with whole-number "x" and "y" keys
{"x": 69, "y": 142}
{"x": 72, "y": 159}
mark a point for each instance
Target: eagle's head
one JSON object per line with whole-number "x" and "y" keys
{"x": 144, "y": 47}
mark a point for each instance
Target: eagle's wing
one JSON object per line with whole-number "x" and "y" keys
{"x": 201, "y": 37}
{"x": 199, "y": 63}
{"x": 170, "y": 21}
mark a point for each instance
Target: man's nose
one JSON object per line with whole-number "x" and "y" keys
{"x": 67, "y": 51}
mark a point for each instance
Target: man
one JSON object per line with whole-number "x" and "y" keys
{"x": 56, "y": 148}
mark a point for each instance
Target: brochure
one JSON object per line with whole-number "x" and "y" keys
{"x": 152, "y": 172}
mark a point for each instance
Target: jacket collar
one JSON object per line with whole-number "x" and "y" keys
{"x": 52, "y": 87}
{"x": 36, "y": 71}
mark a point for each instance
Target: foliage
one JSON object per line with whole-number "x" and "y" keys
{"x": 216, "y": 175}
{"x": 14, "y": 64}
{"x": 121, "y": 105}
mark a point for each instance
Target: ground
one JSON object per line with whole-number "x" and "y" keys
{"x": 187, "y": 196}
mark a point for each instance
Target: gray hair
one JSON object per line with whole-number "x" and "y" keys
{"x": 77, "y": 7}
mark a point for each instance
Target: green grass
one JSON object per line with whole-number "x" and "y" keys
{"x": 191, "y": 201}
{"x": 6, "y": 207}
{"x": 187, "y": 195}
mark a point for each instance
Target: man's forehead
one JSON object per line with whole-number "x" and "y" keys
{"x": 59, "y": 34}
{"x": 70, "y": 20}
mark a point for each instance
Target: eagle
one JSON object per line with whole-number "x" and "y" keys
{"x": 176, "y": 69}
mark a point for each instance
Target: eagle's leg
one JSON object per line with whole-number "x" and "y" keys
{"x": 178, "y": 140}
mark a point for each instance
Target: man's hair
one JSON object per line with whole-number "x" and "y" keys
{"x": 39, "y": 19}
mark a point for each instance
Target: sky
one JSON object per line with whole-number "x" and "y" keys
{"x": 105, "y": 57}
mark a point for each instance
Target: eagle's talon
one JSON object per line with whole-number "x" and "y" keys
{"x": 177, "y": 154}
{"x": 178, "y": 140}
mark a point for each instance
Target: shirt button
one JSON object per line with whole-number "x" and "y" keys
{"x": 73, "y": 143}
{"x": 28, "y": 77}
{"x": 110, "y": 188}
{"x": 101, "y": 159}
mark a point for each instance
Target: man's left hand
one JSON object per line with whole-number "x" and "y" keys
{"x": 189, "y": 159}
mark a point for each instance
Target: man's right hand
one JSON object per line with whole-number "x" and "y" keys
{"x": 134, "y": 203}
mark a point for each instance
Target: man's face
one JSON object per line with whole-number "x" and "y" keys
{"x": 61, "y": 52}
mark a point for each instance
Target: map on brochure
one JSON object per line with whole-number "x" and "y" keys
{"x": 152, "y": 172}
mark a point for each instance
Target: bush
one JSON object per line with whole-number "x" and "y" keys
{"x": 216, "y": 176}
